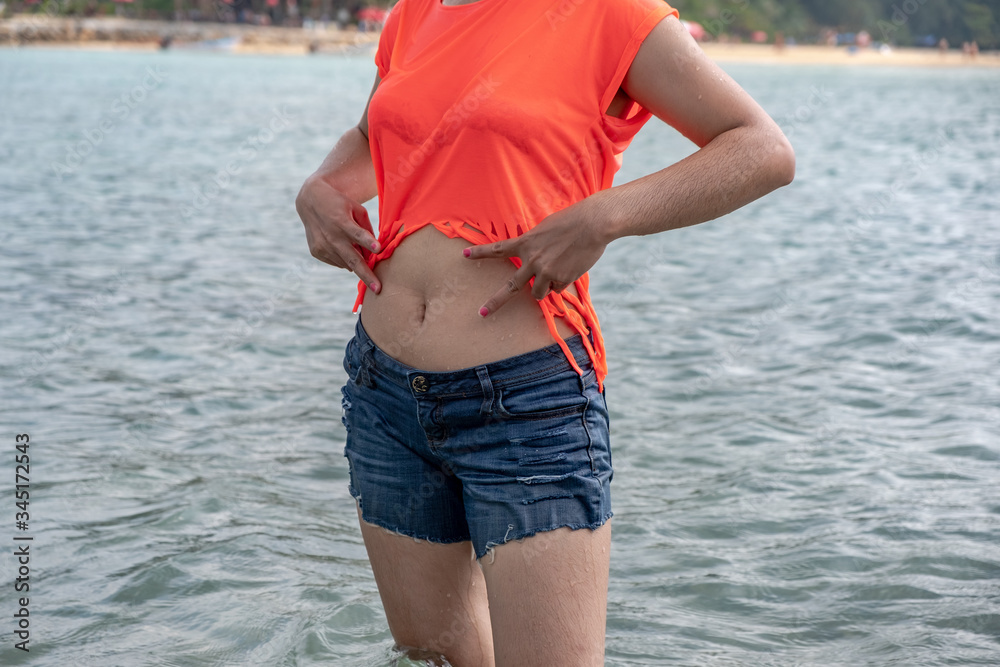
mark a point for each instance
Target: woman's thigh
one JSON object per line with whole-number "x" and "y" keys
{"x": 434, "y": 597}
{"x": 548, "y": 597}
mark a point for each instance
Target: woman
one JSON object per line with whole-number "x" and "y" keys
{"x": 477, "y": 427}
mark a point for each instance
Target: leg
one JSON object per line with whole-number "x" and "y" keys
{"x": 548, "y": 597}
{"x": 434, "y": 596}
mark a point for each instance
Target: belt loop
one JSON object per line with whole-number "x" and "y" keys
{"x": 367, "y": 361}
{"x": 484, "y": 380}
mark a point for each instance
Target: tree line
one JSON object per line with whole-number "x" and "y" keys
{"x": 901, "y": 22}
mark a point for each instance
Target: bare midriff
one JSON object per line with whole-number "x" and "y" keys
{"x": 427, "y": 315}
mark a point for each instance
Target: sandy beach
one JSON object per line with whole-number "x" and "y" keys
{"x": 828, "y": 55}
{"x": 110, "y": 33}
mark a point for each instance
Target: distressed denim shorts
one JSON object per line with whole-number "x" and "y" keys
{"x": 489, "y": 454}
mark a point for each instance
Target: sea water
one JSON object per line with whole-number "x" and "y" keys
{"x": 804, "y": 395}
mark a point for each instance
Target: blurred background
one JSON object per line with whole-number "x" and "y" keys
{"x": 858, "y": 23}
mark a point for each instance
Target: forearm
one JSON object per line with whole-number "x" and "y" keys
{"x": 348, "y": 168}
{"x": 734, "y": 169}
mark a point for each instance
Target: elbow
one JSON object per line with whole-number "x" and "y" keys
{"x": 782, "y": 161}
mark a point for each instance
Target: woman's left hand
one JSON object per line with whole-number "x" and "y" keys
{"x": 556, "y": 252}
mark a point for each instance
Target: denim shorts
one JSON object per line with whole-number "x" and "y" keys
{"x": 488, "y": 454}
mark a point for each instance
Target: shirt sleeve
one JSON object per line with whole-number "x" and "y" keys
{"x": 383, "y": 56}
{"x": 628, "y": 23}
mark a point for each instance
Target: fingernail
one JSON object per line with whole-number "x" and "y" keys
{"x": 374, "y": 286}
{"x": 467, "y": 252}
{"x": 484, "y": 311}
{"x": 374, "y": 246}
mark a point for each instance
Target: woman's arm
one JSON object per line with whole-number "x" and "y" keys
{"x": 329, "y": 204}
{"x": 743, "y": 155}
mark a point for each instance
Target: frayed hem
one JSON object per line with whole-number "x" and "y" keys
{"x": 490, "y": 546}
{"x": 410, "y": 534}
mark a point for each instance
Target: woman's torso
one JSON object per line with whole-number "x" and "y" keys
{"x": 427, "y": 315}
{"x": 490, "y": 116}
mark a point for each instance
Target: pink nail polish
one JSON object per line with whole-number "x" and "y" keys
{"x": 374, "y": 246}
{"x": 467, "y": 252}
{"x": 484, "y": 311}
{"x": 374, "y": 286}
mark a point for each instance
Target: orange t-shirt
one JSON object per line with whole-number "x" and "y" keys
{"x": 490, "y": 116}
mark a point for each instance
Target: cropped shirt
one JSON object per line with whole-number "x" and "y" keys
{"x": 490, "y": 116}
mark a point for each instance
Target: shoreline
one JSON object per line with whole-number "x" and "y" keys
{"x": 808, "y": 54}
{"x": 120, "y": 34}
{"x": 116, "y": 34}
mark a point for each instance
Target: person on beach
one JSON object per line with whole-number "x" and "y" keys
{"x": 477, "y": 428}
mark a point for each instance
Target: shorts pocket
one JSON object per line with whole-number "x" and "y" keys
{"x": 352, "y": 359}
{"x": 550, "y": 397}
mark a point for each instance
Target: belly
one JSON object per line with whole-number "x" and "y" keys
{"x": 427, "y": 315}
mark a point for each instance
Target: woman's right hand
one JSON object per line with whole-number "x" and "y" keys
{"x": 337, "y": 229}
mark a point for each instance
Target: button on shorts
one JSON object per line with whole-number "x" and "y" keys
{"x": 488, "y": 454}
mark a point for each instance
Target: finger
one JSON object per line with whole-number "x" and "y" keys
{"x": 552, "y": 286}
{"x": 357, "y": 265}
{"x": 365, "y": 235}
{"x": 510, "y": 289}
{"x": 493, "y": 250}
{"x": 542, "y": 287}
{"x": 342, "y": 254}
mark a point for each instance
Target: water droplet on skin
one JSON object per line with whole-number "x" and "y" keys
{"x": 699, "y": 97}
